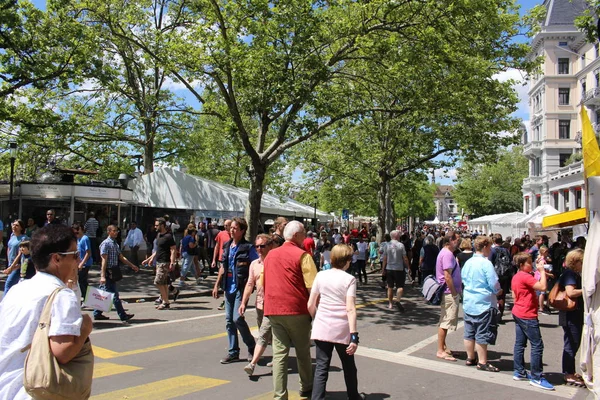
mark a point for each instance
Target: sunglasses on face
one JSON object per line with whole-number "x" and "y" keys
{"x": 261, "y": 246}
{"x": 67, "y": 253}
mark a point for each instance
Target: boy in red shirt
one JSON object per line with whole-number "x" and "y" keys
{"x": 527, "y": 326}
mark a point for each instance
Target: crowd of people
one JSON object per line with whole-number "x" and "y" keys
{"x": 306, "y": 287}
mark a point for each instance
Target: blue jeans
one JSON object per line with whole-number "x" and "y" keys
{"x": 235, "y": 322}
{"x": 188, "y": 261}
{"x": 572, "y": 340}
{"x": 12, "y": 280}
{"x": 111, "y": 286}
{"x": 528, "y": 329}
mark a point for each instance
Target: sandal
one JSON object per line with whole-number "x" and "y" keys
{"x": 471, "y": 362}
{"x": 487, "y": 367}
{"x": 163, "y": 306}
{"x": 574, "y": 380}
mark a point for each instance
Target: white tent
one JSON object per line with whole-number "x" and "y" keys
{"x": 503, "y": 224}
{"x": 169, "y": 188}
{"x": 532, "y": 223}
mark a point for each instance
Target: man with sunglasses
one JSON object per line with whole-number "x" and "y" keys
{"x": 111, "y": 255}
{"x": 51, "y": 218}
{"x": 84, "y": 247}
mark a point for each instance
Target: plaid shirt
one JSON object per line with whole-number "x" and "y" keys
{"x": 111, "y": 248}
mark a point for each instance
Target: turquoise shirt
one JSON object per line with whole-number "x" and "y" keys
{"x": 481, "y": 285}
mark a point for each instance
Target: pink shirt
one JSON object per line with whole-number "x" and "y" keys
{"x": 331, "y": 318}
{"x": 256, "y": 278}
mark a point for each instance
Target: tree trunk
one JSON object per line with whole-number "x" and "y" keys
{"x": 252, "y": 214}
{"x": 382, "y": 207}
{"x": 390, "y": 223}
{"x": 148, "y": 155}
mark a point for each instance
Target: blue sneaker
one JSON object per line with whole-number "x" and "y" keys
{"x": 522, "y": 377}
{"x": 541, "y": 384}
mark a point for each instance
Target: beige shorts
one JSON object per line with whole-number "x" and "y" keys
{"x": 449, "y": 314}
{"x": 264, "y": 333}
{"x": 162, "y": 274}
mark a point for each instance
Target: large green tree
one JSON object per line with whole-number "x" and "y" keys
{"x": 492, "y": 187}
{"x": 289, "y": 71}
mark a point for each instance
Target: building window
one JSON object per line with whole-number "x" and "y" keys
{"x": 582, "y": 61}
{"x": 577, "y": 198}
{"x": 536, "y": 166}
{"x": 597, "y": 48}
{"x": 566, "y": 200}
{"x": 563, "y": 157}
{"x": 563, "y": 44}
{"x": 526, "y": 205}
{"x": 555, "y": 197}
{"x": 563, "y": 96}
{"x": 583, "y": 87}
{"x": 563, "y": 66}
{"x": 564, "y": 129}
{"x": 538, "y": 200}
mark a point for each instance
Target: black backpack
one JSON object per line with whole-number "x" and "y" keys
{"x": 502, "y": 264}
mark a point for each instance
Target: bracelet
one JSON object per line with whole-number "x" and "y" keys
{"x": 354, "y": 337}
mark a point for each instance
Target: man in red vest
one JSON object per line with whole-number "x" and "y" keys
{"x": 289, "y": 272}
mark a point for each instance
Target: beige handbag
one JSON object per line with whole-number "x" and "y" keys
{"x": 44, "y": 377}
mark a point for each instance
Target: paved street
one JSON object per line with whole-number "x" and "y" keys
{"x": 175, "y": 354}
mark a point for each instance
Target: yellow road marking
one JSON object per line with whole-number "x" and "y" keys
{"x": 107, "y": 354}
{"x": 163, "y": 390}
{"x": 107, "y": 369}
{"x": 370, "y": 303}
{"x": 292, "y": 395}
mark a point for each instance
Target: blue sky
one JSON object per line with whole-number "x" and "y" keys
{"x": 442, "y": 177}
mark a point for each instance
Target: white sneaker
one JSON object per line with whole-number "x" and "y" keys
{"x": 249, "y": 369}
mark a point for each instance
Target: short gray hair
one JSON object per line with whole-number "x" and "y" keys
{"x": 291, "y": 229}
{"x": 395, "y": 234}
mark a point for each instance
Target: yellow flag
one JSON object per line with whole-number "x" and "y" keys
{"x": 589, "y": 144}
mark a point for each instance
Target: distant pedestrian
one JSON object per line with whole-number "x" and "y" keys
{"x": 278, "y": 227}
{"x": 51, "y": 218}
{"x": 91, "y": 231}
{"x": 395, "y": 264}
{"x": 14, "y": 255}
{"x": 134, "y": 239}
{"x": 84, "y": 246}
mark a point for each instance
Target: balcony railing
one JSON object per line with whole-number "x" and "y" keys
{"x": 533, "y": 181}
{"x": 591, "y": 97}
{"x": 535, "y": 146}
{"x": 575, "y": 168}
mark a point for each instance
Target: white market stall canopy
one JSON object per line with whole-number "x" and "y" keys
{"x": 169, "y": 188}
{"x": 504, "y": 224}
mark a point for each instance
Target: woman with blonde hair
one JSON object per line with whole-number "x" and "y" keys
{"x": 332, "y": 305}
{"x": 466, "y": 251}
{"x": 572, "y": 321}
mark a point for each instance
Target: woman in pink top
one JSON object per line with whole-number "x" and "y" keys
{"x": 334, "y": 324}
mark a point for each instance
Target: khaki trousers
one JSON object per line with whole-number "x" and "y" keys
{"x": 288, "y": 330}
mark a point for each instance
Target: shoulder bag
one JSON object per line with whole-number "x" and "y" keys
{"x": 559, "y": 300}
{"x": 44, "y": 378}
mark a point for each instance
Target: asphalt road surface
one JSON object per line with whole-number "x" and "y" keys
{"x": 174, "y": 354}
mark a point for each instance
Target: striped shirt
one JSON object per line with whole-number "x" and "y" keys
{"x": 111, "y": 249}
{"x": 91, "y": 227}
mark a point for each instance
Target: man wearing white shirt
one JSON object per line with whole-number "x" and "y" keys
{"x": 134, "y": 238}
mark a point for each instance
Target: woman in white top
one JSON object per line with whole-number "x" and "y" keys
{"x": 325, "y": 257}
{"x": 334, "y": 324}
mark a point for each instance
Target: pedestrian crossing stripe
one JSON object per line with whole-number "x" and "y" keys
{"x": 104, "y": 369}
{"x": 164, "y": 389}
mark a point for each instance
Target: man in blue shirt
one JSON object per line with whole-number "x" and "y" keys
{"x": 479, "y": 302}
{"x": 84, "y": 247}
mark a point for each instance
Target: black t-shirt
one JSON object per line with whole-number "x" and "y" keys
{"x": 163, "y": 247}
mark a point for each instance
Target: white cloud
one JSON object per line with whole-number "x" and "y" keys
{"x": 175, "y": 86}
{"x": 445, "y": 175}
{"x": 521, "y": 88}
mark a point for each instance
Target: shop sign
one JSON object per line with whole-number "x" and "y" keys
{"x": 47, "y": 191}
{"x": 97, "y": 192}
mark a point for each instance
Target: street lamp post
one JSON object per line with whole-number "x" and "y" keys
{"x": 12, "y": 146}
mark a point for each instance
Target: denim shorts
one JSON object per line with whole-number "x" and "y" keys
{"x": 481, "y": 328}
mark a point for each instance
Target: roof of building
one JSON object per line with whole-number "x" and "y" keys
{"x": 563, "y": 12}
{"x": 442, "y": 190}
